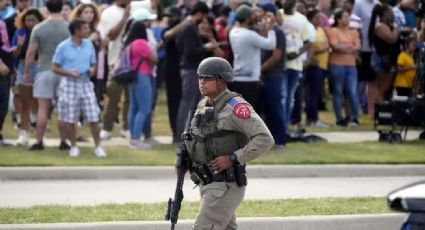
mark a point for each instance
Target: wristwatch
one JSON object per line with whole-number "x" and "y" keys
{"x": 233, "y": 158}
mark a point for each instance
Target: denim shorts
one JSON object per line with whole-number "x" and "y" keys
{"x": 381, "y": 64}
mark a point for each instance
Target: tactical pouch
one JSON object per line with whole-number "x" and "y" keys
{"x": 241, "y": 179}
{"x": 195, "y": 178}
{"x": 230, "y": 174}
{"x": 217, "y": 177}
{"x": 204, "y": 174}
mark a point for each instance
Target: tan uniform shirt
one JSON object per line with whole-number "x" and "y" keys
{"x": 242, "y": 118}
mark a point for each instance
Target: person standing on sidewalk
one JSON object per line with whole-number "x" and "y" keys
{"x": 25, "y": 23}
{"x": 297, "y": 32}
{"x": 224, "y": 134}
{"x": 272, "y": 69}
{"x": 141, "y": 96}
{"x": 43, "y": 41}
{"x": 75, "y": 61}
{"x": 112, "y": 26}
{"x": 345, "y": 44}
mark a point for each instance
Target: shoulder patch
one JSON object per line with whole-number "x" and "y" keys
{"x": 233, "y": 102}
{"x": 242, "y": 110}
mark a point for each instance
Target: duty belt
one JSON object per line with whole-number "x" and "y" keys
{"x": 206, "y": 174}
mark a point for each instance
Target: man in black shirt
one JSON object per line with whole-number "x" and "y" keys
{"x": 191, "y": 51}
{"x": 173, "y": 82}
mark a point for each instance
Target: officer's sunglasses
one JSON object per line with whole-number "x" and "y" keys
{"x": 206, "y": 78}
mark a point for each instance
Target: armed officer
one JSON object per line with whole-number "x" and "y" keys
{"x": 224, "y": 133}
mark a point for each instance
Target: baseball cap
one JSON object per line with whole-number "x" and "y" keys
{"x": 268, "y": 7}
{"x": 143, "y": 15}
{"x": 243, "y": 12}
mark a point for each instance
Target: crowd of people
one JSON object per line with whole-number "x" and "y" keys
{"x": 63, "y": 55}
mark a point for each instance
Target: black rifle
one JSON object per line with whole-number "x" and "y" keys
{"x": 174, "y": 206}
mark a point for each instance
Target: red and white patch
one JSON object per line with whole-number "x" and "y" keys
{"x": 242, "y": 111}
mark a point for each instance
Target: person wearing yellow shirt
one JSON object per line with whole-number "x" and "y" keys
{"x": 316, "y": 70}
{"x": 406, "y": 69}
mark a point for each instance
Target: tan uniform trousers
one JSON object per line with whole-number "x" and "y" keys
{"x": 219, "y": 201}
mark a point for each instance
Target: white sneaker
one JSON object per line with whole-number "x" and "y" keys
{"x": 136, "y": 144}
{"x": 74, "y": 151}
{"x": 353, "y": 124}
{"x": 100, "y": 152}
{"x": 22, "y": 139}
{"x": 125, "y": 133}
{"x": 151, "y": 141}
{"x": 321, "y": 124}
{"x": 104, "y": 135}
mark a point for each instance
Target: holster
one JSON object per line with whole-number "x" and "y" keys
{"x": 241, "y": 178}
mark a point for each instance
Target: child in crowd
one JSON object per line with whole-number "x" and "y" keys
{"x": 406, "y": 68}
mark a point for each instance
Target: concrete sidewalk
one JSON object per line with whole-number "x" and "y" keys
{"x": 167, "y": 172}
{"x": 346, "y": 222}
{"x": 331, "y": 137}
{"x": 28, "y": 193}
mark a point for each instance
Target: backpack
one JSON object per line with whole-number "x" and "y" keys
{"x": 123, "y": 72}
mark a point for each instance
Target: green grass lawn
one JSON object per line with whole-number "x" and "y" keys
{"x": 412, "y": 152}
{"x": 300, "y": 153}
{"x": 161, "y": 124}
{"x": 155, "y": 212}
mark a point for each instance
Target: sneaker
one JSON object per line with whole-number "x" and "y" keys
{"x": 125, "y": 133}
{"x": 319, "y": 124}
{"x": 37, "y": 147}
{"x": 278, "y": 147}
{"x": 22, "y": 139}
{"x": 353, "y": 124}
{"x": 136, "y": 144}
{"x": 341, "y": 123}
{"x": 17, "y": 126}
{"x": 74, "y": 151}
{"x": 105, "y": 135}
{"x": 2, "y": 142}
{"x": 151, "y": 141}
{"x": 422, "y": 135}
{"x": 64, "y": 146}
{"x": 100, "y": 152}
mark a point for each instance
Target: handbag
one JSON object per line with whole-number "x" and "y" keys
{"x": 123, "y": 72}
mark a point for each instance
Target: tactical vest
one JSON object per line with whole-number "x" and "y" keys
{"x": 207, "y": 141}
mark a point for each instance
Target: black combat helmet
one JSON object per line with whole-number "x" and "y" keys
{"x": 215, "y": 66}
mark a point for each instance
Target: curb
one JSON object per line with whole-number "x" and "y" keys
{"x": 167, "y": 172}
{"x": 332, "y": 137}
{"x": 346, "y": 222}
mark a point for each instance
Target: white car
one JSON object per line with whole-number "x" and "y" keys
{"x": 410, "y": 198}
